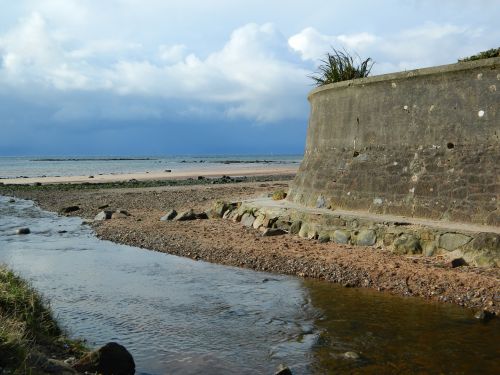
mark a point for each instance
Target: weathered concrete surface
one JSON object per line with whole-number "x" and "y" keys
{"x": 479, "y": 245}
{"x": 422, "y": 143}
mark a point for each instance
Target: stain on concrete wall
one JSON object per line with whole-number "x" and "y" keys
{"x": 422, "y": 143}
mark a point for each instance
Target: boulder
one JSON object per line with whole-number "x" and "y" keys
{"x": 268, "y": 232}
{"x": 259, "y": 221}
{"x": 278, "y": 195}
{"x": 366, "y": 237}
{"x": 186, "y": 215}
{"x": 341, "y": 236}
{"x": 457, "y": 262}
{"x": 219, "y": 208}
{"x": 247, "y": 220}
{"x": 23, "y": 231}
{"x": 407, "y": 244}
{"x": 429, "y": 248}
{"x": 111, "y": 359}
{"x": 281, "y": 223}
{"x": 308, "y": 231}
{"x": 103, "y": 215}
{"x": 323, "y": 237}
{"x": 452, "y": 241}
{"x": 170, "y": 215}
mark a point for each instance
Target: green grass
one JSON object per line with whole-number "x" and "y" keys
{"x": 27, "y": 325}
{"x": 341, "y": 66}
{"x": 494, "y": 52}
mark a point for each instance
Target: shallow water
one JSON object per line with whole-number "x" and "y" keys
{"x": 180, "y": 316}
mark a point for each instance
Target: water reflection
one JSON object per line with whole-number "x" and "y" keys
{"x": 175, "y": 315}
{"x": 395, "y": 335}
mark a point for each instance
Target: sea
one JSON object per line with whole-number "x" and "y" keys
{"x": 54, "y": 166}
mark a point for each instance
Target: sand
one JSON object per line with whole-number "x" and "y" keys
{"x": 229, "y": 243}
{"x": 239, "y": 170}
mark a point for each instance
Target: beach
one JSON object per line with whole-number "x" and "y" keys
{"x": 229, "y": 243}
{"x": 247, "y": 170}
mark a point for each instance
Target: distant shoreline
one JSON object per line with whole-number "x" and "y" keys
{"x": 157, "y": 175}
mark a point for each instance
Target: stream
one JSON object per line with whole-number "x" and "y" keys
{"x": 179, "y": 316}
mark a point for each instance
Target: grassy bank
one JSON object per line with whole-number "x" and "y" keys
{"x": 27, "y": 328}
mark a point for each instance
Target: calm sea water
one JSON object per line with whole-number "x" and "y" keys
{"x": 12, "y": 167}
{"x": 179, "y": 316}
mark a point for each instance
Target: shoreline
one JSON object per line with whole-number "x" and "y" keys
{"x": 229, "y": 243}
{"x": 156, "y": 175}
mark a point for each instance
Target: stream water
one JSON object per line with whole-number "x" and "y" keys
{"x": 178, "y": 316}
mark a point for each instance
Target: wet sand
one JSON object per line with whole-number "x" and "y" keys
{"x": 232, "y": 171}
{"x": 229, "y": 243}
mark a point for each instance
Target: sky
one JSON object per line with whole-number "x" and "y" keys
{"x": 152, "y": 77}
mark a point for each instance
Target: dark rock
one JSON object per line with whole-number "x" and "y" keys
{"x": 458, "y": 262}
{"x": 201, "y": 216}
{"x": 111, "y": 359}
{"x": 273, "y": 232}
{"x": 37, "y": 184}
{"x": 295, "y": 227}
{"x": 23, "y": 231}
{"x": 186, "y": 215}
{"x": 324, "y": 237}
{"x": 485, "y": 315}
{"x": 62, "y": 231}
{"x": 103, "y": 215}
{"x": 91, "y": 176}
{"x": 283, "y": 370}
{"x": 67, "y": 210}
{"x": 201, "y": 177}
{"x": 168, "y": 170}
{"x": 12, "y": 200}
{"x": 170, "y": 215}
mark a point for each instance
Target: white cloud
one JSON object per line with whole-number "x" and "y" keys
{"x": 312, "y": 45}
{"x": 172, "y": 54}
{"x": 427, "y": 45}
{"x": 256, "y": 74}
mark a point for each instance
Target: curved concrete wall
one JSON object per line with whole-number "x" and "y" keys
{"x": 423, "y": 143}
